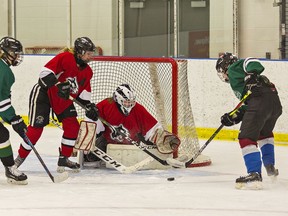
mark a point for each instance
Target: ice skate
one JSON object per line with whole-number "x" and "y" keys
{"x": 64, "y": 161}
{"x": 252, "y": 181}
{"x": 14, "y": 176}
{"x": 18, "y": 161}
{"x": 92, "y": 161}
{"x": 272, "y": 172}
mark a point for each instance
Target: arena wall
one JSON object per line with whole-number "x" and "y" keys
{"x": 210, "y": 97}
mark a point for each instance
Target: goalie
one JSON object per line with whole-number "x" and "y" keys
{"x": 132, "y": 118}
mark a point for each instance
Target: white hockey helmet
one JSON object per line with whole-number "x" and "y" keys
{"x": 125, "y": 97}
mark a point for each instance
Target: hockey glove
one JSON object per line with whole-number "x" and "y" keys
{"x": 63, "y": 89}
{"x": 228, "y": 120}
{"x": 91, "y": 111}
{"x": 19, "y": 125}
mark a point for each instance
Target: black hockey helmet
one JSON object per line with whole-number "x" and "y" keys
{"x": 82, "y": 45}
{"x": 12, "y": 51}
{"x": 222, "y": 64}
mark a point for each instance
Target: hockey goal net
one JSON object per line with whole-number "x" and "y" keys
{"x": 161, "y": 86}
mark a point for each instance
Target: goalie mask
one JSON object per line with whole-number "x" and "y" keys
{"x": 125, "y": 97}
{"x": 222, "y": 65}
{"x": 81, "y": 46}
{"x": 12, "y": 51}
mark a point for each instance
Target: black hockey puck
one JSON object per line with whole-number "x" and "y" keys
{"x": 171, "y": 179}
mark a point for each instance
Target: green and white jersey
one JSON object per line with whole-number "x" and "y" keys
{"x": 7, "y": 79}
{"x": 237, "y": 72}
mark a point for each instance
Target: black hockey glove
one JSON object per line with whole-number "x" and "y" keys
{"x": 19, "y": 125}
{"x": 64, "y": 90}
{"x": 91, "y": 111}
{"x": 228, "y": 120}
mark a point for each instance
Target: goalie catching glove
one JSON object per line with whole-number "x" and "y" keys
{"x": 228, "y": 120}
{"x": 165, "y": 141}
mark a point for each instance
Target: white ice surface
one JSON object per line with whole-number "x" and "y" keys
{"x": 203, "y": 191}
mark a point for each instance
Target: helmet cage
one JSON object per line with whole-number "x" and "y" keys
{"x": 13, "y": 51}
{"x": 222, "y": 65}
{"x": 125, "y": 97}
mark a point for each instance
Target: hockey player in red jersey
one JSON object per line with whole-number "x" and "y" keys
{"x": 66, "y": 74}
{"x": 123, "y": 111}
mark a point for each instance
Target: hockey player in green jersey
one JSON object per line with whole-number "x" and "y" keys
{"x": 258, "y": 115}
{"x": 11, "y": 51}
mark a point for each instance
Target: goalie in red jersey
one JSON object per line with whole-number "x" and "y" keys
{"x": 122, "y": 111}
{"x": 68, "y": 73}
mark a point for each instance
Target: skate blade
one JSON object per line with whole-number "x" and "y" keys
{"x": 14, "y": 182}
{"x": 256, "y": 185}
{"x": 95, "y": 164}
{"x": 61, "y": 169}
{"x": 273, "y": 179}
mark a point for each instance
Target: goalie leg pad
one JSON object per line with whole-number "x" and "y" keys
{"x": 165, "y": 141}
{"x": 86, "y": 136}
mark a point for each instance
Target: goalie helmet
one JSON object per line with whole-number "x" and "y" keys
{"x": 12, "y": 51}
{"x": 222, "y": 65}
{"x": 125, "y": 97}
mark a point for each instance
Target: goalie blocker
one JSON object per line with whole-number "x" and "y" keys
{"x": 130, "y": 155}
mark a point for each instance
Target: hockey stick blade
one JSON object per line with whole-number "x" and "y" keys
{"x": 175, "y": 163}
{"x": 61, "y": 177}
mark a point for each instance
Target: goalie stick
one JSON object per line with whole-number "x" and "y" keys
{"x": 112, "y": 162}
{"x": 118, "y": 166}
{"x": 170, "y": 162}
{"x": 218, "y": 130}
{"x": 56, "y": 179}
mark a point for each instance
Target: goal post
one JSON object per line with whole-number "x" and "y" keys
{"x": 161, "y": 86}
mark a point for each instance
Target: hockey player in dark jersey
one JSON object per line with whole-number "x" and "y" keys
{"x": 258, "y": 115}
{"x": 66, "y": 74}
{"x": 11, "y": 51}
{"x": 123, "y": 111}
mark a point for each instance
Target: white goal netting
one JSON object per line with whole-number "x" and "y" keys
{"x": 161, "y": 86}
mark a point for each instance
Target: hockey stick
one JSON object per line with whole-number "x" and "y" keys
{"x": 112, "y": 162}
{"x": 170, "y": 162}
{"x": 56, "y": 179}
{"x": 218, "y": 130}
{"x": 118, "y": 166}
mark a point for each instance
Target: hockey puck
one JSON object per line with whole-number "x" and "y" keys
{"x": 171, "y": 179}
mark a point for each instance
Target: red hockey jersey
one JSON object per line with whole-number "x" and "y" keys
{"x": 138, "y": 121}
{"x": 64, "y": 66}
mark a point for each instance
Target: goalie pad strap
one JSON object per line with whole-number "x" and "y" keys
{"x": 165, "y": 141}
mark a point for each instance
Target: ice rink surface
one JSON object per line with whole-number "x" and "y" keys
{"x": 203, "y": 191}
